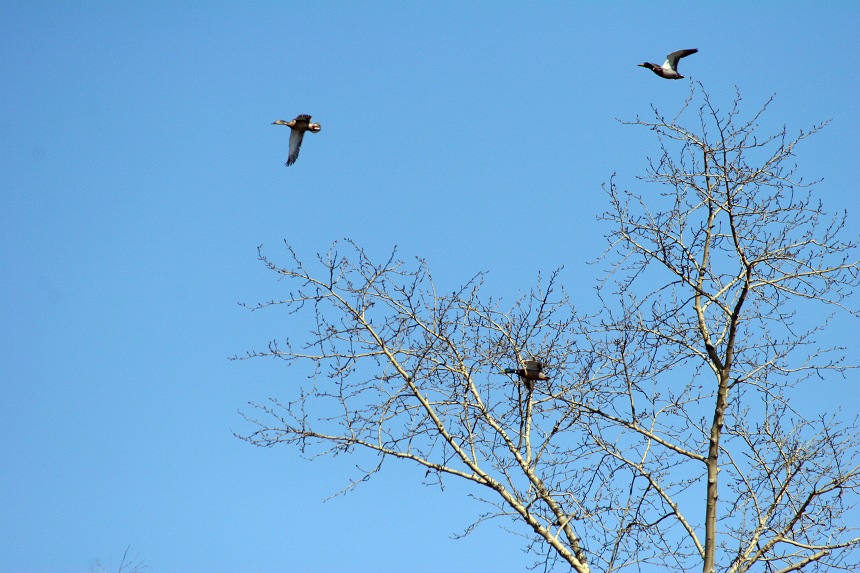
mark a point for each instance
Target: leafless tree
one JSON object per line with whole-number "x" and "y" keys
{"x": 665, "y": 437}
{"x": 126, "y": 565}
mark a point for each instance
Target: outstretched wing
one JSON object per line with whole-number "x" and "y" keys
{"x": 296, "y": 136}
{"x": 672, "y": 59}
{"x": 533, "y": 365}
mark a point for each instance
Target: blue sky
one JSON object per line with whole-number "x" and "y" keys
{"x": 139, "y": 171}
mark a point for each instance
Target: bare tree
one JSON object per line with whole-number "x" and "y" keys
{"x": 664, "y": 437}
{"x": 126, "y": 565}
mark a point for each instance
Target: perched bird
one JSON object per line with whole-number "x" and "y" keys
{"x": 533, "y": 370}
{"x": 298, "y": 127}
{"x": 669, "y": 69}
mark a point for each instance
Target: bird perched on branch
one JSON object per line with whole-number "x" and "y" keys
{"x": 298, "y": 127}
{"x": 532, "y": 370}
{"x": 669, "y": 69}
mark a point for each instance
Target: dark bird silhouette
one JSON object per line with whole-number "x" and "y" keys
{"x": 669, "y": 69}
{"x": 532, "y": 370}
{"x": 298, "y": 127}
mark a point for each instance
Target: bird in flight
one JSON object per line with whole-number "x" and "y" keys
{"x": 298, "y": 127}
{"x": 669, "y": 69}
{"x": 532, "y": 370}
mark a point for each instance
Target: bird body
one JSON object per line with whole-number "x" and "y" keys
{"x": 532, "y": 370}
{"x": 669, "y": 69}
{"x": 298, "y": 127}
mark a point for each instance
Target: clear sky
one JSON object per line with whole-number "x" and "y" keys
{"x": 139, "y": 171}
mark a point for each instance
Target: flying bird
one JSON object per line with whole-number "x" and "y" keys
{"x": 532, "y": 370}
{"x": 669, "y": 69}
{"x": 298, "y": 127}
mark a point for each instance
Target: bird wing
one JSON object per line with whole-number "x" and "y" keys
{"x": 533, "y": 365}
{"x": 672, "y": 59}
{"x": 296, "y": 136}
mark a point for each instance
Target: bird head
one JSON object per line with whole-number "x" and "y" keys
{"x": 645, "y": 65}
{"x": 280, "y": 122}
